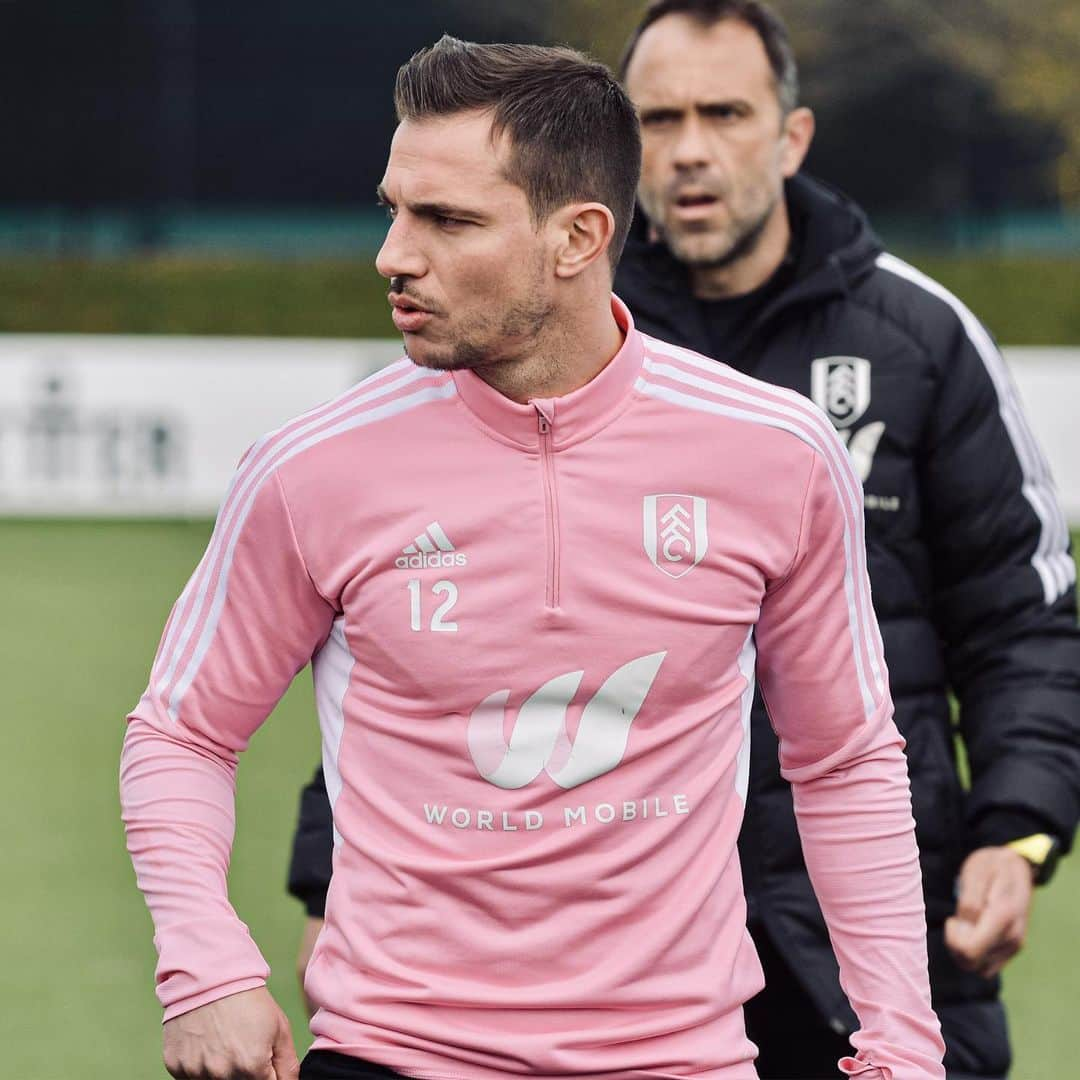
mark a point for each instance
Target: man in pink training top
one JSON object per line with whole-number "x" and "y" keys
{"x": 535, "y": 565}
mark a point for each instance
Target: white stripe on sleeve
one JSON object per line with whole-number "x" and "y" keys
{"x": 373, "y": 415}
{"x": 1051, "y": 559}
{"x": 861, "y": 625}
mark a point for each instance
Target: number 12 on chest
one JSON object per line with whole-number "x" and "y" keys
{"x": 438, "y": 617}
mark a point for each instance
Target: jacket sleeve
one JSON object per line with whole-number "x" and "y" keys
{"x": 1004, "y": 597}
{"x": 249, "y": 619}
{"x": 313, "y": 846}
{"x": 823, "y": 678}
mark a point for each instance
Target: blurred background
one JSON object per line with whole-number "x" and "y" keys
{"x": 174, "y": 168}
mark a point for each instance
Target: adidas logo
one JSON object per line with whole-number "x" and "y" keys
{"x": 432, "y": 548}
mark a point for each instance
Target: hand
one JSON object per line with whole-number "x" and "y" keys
{"x": 996, "y": 887}
{"x": 312, "y": 927}
{"x": 241, "y": 1037}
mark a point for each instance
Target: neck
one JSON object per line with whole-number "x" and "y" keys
{"x": 750, "y": 270}
{"x": 570, "y": 352}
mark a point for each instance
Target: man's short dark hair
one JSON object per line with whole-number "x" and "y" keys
{"x": 572, "y": 131}
{"x": 759, "y": 17}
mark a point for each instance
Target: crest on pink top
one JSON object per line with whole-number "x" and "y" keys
{"x": 676, "y": 532}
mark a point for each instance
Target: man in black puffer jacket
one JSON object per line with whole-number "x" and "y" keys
{"x": 781, "y": 277}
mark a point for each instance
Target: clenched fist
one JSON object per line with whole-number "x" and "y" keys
{"x": 241, "y": 1037}
{"x": 992, "y": 910}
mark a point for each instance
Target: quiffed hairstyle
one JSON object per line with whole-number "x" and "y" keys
{"x": 760, "y": 17}
{"x": 572, "y": 131}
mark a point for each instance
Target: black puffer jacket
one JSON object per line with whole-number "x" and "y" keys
{"x": 971, "y": 577}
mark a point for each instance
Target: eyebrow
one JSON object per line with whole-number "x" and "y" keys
{"x": 432, "y": 209}
{"x": 737, "y": 104}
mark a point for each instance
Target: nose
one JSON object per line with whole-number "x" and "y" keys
{"x": 691, "y": 150}
{"x": 399, "y": 255}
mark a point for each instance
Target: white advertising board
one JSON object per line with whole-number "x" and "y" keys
{"x": 154, "y": 426}
{"x": 1049, "y": 384}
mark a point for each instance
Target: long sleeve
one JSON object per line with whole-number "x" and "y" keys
{"x": 1004, "y": 598}
{"x": 249, "y": 619}
{"x": 823, "y": 678}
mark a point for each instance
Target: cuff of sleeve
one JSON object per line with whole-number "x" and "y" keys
{"x": 1000, "y": 825}
{"x": 203, "y": 959}
{"x": 862, "y": 1070}
{"x": 178, "y": 1008}
{"x": 1016, "y": 784}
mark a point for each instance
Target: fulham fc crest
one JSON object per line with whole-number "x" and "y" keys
{"x": 676, "y": 536}
{"x": 841, "y": 386}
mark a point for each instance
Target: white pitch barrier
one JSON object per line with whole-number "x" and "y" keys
{"x": 126, "y": 426}
{"x": 118, "y": 426}
{"x": 1049, "y": 383}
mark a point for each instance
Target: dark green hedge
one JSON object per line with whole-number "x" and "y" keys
{"x": 1024, "y": 300}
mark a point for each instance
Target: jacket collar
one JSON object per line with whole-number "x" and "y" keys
{"x": 570, "y": 418}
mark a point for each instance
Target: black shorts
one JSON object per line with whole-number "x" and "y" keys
{"x": 793, "y": 1038}
{"x": 326, "y": 1065}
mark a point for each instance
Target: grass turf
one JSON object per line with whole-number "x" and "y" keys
{"x": 84, "y": 604}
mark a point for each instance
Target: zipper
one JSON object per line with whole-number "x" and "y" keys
{"x": 551, "y": 506}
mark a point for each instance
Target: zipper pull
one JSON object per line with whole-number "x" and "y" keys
{"x": 542, "y": 419}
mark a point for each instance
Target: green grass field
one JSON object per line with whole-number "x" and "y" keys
{"x": 84, "y": 604}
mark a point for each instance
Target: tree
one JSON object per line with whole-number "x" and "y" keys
{"x": 936, "y": 105}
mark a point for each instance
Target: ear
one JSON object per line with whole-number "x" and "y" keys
{"x": 583, "y": 233}
{"x": 798, "y": 134}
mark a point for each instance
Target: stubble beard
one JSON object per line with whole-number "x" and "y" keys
{"x": 716, "y": 249}
{"x": 482, "y": 342}
{"x": 710, "y": 251}
{"x": 711, "y": 246}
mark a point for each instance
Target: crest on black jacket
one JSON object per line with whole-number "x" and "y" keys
{"x": 840, "y": 386}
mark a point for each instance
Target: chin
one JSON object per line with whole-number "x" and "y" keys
{"x": 427, "y": 358}
{"x": 439, "y": 359}
{"x": 701, "y": 248}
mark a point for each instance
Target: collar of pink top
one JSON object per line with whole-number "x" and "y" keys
{"x": 564, "y": 420}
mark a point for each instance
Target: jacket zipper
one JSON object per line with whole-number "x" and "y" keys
{"x": 551, "y": 507}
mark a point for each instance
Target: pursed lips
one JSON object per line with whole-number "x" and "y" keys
{"x": 408, "y": 316}
{"x": 401, "y": 302}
